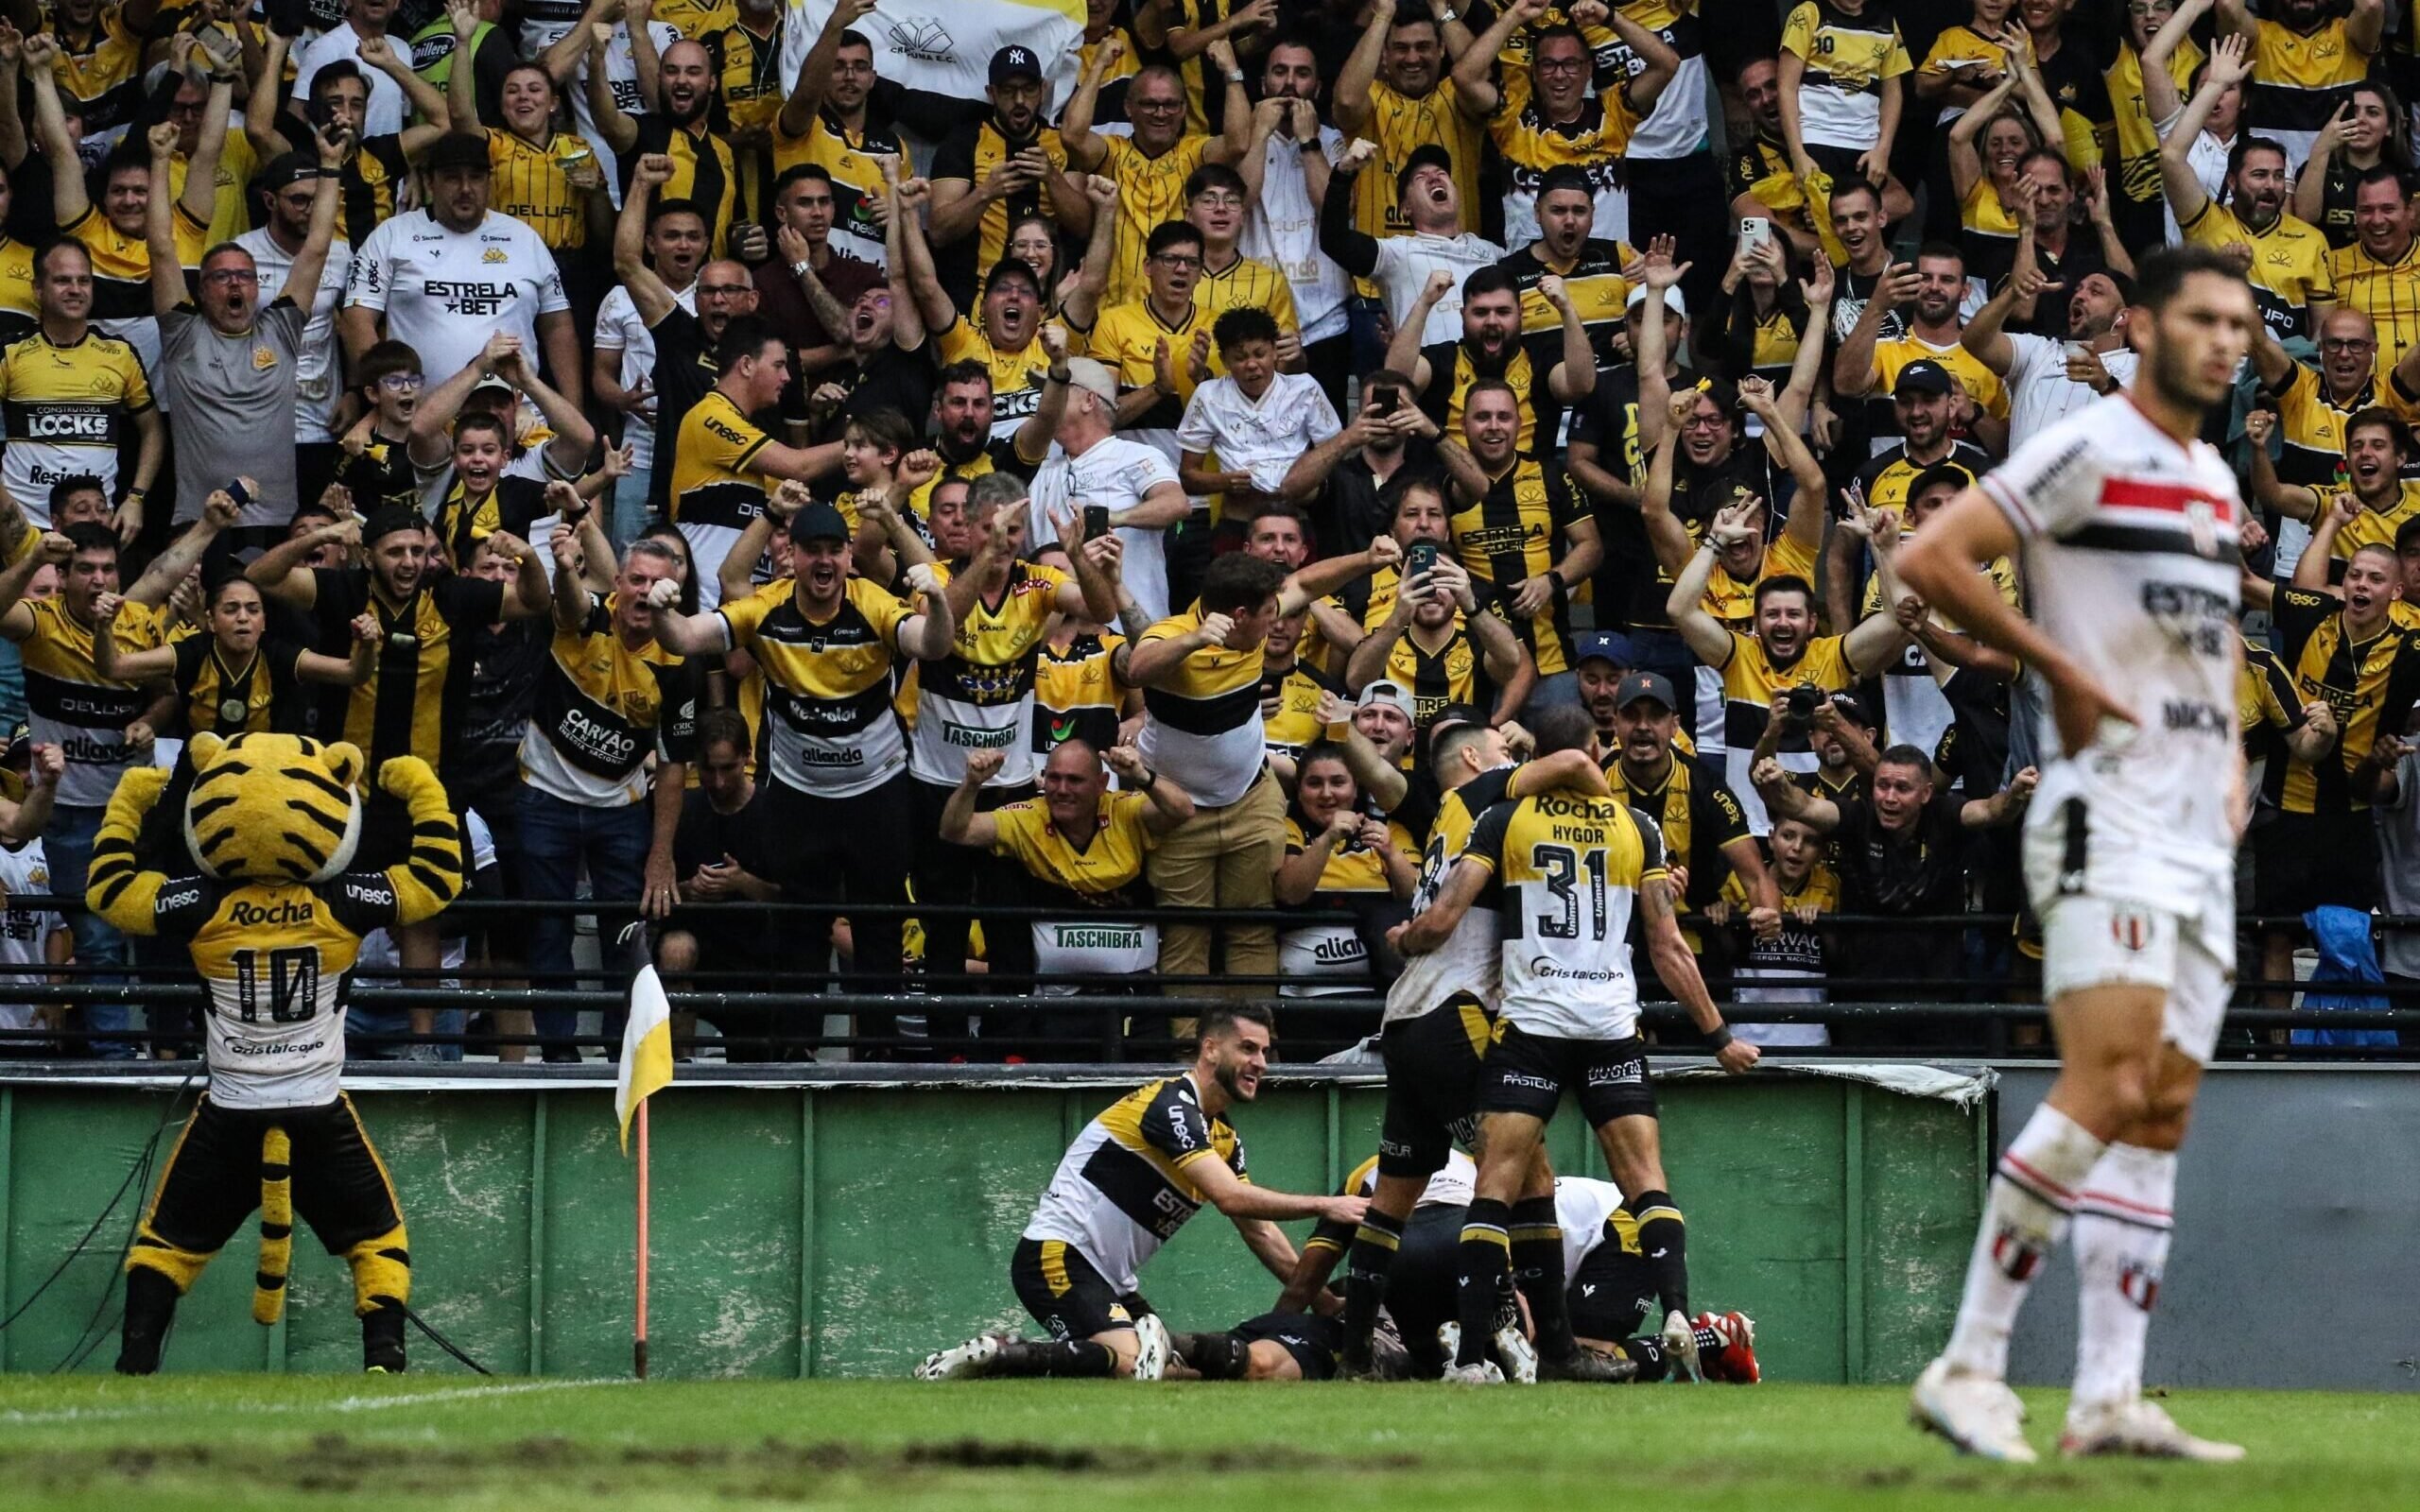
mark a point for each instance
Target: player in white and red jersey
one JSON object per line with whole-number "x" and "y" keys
{"x": 2128, "y": 526}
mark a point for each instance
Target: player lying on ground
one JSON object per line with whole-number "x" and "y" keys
{"x": 1569, "y": 872}
{"x": 1611, "y": 1291}
{"x": 1125, "y": 1186}
{"x": 2129, "y": 525}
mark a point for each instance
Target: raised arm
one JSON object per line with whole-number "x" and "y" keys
{"x": 1706, "y": 637}
{"x": 14, "y": 147}
{"x": 2230, "y": 64}
{"x": 1659, "y": 63}
{"x": 1965, "y": 160}
{"x": 649, "y": 295}
{"x": 962, "y": 822}
{"x": 68, "y": 201}
{"x": 1361, "y": 69}
{"x": 620, "y": 131}
{"x": 815, "y": 75}
{"x": 1346, "y": 245}
{"x": 928, "y": 302}
{"x": 1786, "y": 800}
{"x": 1233, "y": 144}
{"x": 1086, "y": 148}
{"x": 1476, "y": 94}
{"x": 1573, "y": 377}
{"x": 1853, "y": 372}
{"x": 2160, "y": 99}
{"x": 160, "y": 240}
{"x": 302, "y": 285}
{"x": 168, "y": 569}
{"x": 380, "y": 53}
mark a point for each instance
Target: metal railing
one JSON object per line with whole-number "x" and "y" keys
{"x": 1100, "y": 1017}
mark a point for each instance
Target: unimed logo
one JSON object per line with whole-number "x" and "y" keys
{"x": 922, "y": 37}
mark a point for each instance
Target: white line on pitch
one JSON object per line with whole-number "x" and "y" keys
{"x": 70, "y": 1415}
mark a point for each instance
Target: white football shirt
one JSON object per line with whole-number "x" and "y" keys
{"x": 445, "y": 292}
{"x": 1117, "y": 473}
{"x": 1261, "y": 436}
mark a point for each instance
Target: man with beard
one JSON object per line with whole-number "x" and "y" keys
{"x": 1357, "y": 503}
{"x": 289, "y": 187}
{"x": 1508, "y": 533}
{"x": 414, "y": 703}
{"x": 1427, "y": 241}
{"x": 1763, "y": 186}
{"x": 228, "y": 364}
{"x": 622, "y": 364}
{"x": 1282, "y": 227}
{"x": 1151, "y": 167}
{"x": 992, "y": 170}
{"x": 2314, "y": 407}
{"x": 1704, "y": 827}
{"x": 838, "y": 758}
{"x": 839, "y": 117}
{"x": 1543, "y": 379}
{"x": 2064, "y": 254}
{"x": 1702, "y": 473}
{"x": 2380, "y": 272}
{"x": 1544, "y": 116}
{"x": 1166, "y": 1149}
{"x": 1780, "y": 650}
{"x": 685, "y": 342}
{"x": 446, "y": 277}
{"x": 2048, "y": 379}
{"x": 339, "y": 97}
{"x": 1002, "y": 336}
{"x": 2307, "y": 57}
{"x": 1923, "y": 402}
{"x": 2289, "y": 271}
{"x": 1590, "y": 269}
{"x": 363, "y": 19}
{"x": 1927, "y": 295}
{"x": 705, "y": 170}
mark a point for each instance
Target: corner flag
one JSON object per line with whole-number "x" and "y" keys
{"x": 646, "y": 1038}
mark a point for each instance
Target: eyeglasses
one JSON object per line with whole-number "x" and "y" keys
{"x": 1560, "y": 65}
{"x": 1218, "y": 201}
{"x": 2347, "y": 344}
{"x": 230, "y": 275}
{"x": 1133, "y": 104}
{"x": 1178, "y": 260}
{"x": 1705, "y": 422}
{"x": 723, "y": 290}
{"x": 396, "y": 382}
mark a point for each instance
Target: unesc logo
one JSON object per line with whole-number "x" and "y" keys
{"x": 922, "y": 37}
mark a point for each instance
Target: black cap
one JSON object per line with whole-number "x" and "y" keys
{"x": 1921, "y": 376}
{"x": 457, "y": 151}
{"x": 386, "y": 521}
{"x": 1953, "y": 474}
{"x": 1015, "y": 62}
{"x": 1645, "y": 685}
{"x": 288, "y": 168}
{"x": 819, "y": 521}
{"x": 1427, "y": 156}
{"x": 1852, "y": 708}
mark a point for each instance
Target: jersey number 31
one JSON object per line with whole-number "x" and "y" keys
{"x": 1561, "y": 867}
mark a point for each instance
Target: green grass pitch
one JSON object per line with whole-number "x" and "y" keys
{"x": 268, "y": 1444}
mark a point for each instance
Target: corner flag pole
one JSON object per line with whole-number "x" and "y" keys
{"x": 646, "y": 1067}
{"x": 638, "y": 1344}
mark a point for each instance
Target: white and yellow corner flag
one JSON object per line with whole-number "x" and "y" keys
{"x": 646, "y": 1038}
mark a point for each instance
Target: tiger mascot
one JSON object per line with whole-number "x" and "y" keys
{"x": 273, "y": 920}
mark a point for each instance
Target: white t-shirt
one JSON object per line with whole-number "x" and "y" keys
{"x": 25, "y": 872}
{"x": 618, "y": 327}
{"x": 388, "y": 108}
{"x": 1284, "y": 228}
{"x": 2130, "y": 557}
{"x": 2040, "y": 394}
{"x": 1117, "y": 473}
{"x": 1261, "y": 436}
{"x": 318, "y": 384}
{"x": 1405, "y": 264}
{"x": 445, "y": 292}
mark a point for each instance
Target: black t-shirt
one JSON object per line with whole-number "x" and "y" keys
{"x": 685, "y": 371}
{"x": 1352, "y": 509}
{"x": 891, "y": 379}
{"x": 704, "y": 837}
{"x": 2083, "y": 258}
{"x": 380, "y": 474}
{"x": 1608, "y": 420}
{"x": 1918, "y": 872}
{"x": 505, "y": 667}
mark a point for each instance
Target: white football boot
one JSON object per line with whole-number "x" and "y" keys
{"x": 959, "y": 1361}
{"x": 1978, "y": 1415}
{"x": 1151, "y": 1347}
{"x": 2140, "y": 1429}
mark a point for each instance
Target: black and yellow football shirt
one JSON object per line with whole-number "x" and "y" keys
{"x": 1514, "y": 533}
{"x": 830, "y": 728}
{"x": 412, "y": 703}
{"x": 2363, "y": 682}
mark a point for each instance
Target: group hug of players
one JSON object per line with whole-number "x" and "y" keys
{"x": 1535, "y": 884}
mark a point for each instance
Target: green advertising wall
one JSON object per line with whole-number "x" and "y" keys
{"x": 836, "y": 1228}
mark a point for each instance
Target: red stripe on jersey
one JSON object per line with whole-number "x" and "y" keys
{"x": 2169, "y": 498}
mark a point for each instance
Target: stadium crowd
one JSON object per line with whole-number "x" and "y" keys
{"x": 748, "y": 479}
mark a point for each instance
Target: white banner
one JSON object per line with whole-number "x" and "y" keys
{"x": 946, "y": 46}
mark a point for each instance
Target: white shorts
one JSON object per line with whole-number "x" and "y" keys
{"x": 2089, "y": 941}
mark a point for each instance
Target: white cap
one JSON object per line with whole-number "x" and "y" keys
{"x": 1673, "y": 299}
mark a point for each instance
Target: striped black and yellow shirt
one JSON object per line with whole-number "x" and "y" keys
{"x": 261, "y": 695}
{"x": 827, "y": 686}
{"x": 413, "y": 702}
{"x": 1202, "y": 727}
{"x": 603, "y": 709}
{"x": 528, "y": 182}
{"x": 2299, "y": 78}
{"x": 1246, "y": 284}
{"x": 704, "y": 170}
{"x": 2365, "y": 682}
{"x": 1149, "y": 190}
{"x": 970, "y": 153}
{"x": 711, "y": 484}
{"x": 1075, "y": 695}
{"x": 1515, "y": 533}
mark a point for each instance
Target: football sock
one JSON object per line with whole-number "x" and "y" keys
{"x": 2032, "y": 1196}
{"x": 1217, "y": 1356}
{"x": 1486, "y": 1268}
{"x": 1666, "y": 1239}
{"x": 1537, "y": 1254}
{"x": 2122, "y": 1231}
{"x": 1053, "y": 1357}
{"x": 1371, "y": 1255}
{"x": 150, "y": 1306}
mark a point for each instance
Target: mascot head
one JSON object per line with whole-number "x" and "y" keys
{"x": 272, "y": 809}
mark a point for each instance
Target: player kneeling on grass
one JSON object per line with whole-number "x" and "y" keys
{"x": 1125, "y": 1186}
{"x": 1608, "y": 1294}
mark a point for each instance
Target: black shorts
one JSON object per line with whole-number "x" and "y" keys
{"x": 1613, "y": 1292}
{"x": 1312, "y": 1340}
{"x": 2301, "y": 861}
{"x": 212, "y": 1182}
{"x": 1432, "y": 1083}
{"x": 1422, "y": 1282}
{"x": 1526, "y": 1074}
{"x": 1059, "y": 1286}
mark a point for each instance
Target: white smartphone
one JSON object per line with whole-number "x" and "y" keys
{"x": 1754, "y": 231}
